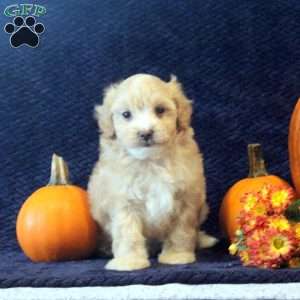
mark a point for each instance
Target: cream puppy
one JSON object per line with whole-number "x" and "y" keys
{"x": 149, "y": 180}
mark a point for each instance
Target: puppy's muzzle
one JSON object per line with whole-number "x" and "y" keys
{"x": 146, "y": 137}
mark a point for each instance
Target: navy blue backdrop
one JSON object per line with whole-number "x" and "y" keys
{"x": 238, "y": 60}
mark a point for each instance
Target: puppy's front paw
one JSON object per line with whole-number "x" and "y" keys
{"x": 127, "y": 263}
{"x": 176, "y": 258}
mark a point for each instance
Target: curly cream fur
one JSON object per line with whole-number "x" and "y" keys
{"x": 139, "y": 192}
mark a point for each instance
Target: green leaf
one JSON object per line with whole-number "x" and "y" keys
{"x": 242, "y": 248}
{"x": 292, "y": 213}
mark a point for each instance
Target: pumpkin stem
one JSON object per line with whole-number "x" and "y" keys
{"x": 256, "y": 162}
{"x": 59, "y": 171}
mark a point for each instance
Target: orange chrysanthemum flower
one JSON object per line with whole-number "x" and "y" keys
{"x": 249, "y": 201}
{"x": 279, "y": 245}
{"x": 269, "y": 247}
{"x": 280, "y": 223}
{"x": 296, "y": 228}
{"x": 265, "y": 192}
{"x": 294, "y": 262}
{"x": 280, "y": 199}
{"x": 244, "y": 255}
{"x": 250, "y": 222}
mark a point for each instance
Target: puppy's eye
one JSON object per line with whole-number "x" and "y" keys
{"x": 126, "y": 114}
{"x": 159, "y": 110}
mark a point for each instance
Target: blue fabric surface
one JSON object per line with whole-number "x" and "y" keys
{"x": 238, "y": 60}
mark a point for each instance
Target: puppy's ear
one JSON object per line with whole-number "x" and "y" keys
{"x": 183, "y": 104}
{"x": 103, "y": 113}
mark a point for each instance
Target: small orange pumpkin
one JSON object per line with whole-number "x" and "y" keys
{"x": 54, "y": 223}
{"x": 294, "y": 146}
{"x": 257, "y": 178}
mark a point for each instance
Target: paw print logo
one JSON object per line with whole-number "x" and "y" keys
{"x": 24, "y": 32}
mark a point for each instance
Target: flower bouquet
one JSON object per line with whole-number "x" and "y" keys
{"x": 269, "y": 232}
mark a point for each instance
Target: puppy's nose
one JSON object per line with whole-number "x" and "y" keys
{"x": 145, "y": 135}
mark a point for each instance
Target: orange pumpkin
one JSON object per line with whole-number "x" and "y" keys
{"x": 257, "y": 178}
{"x": 294, "y": 146}
{"x": 55, "y": 223}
